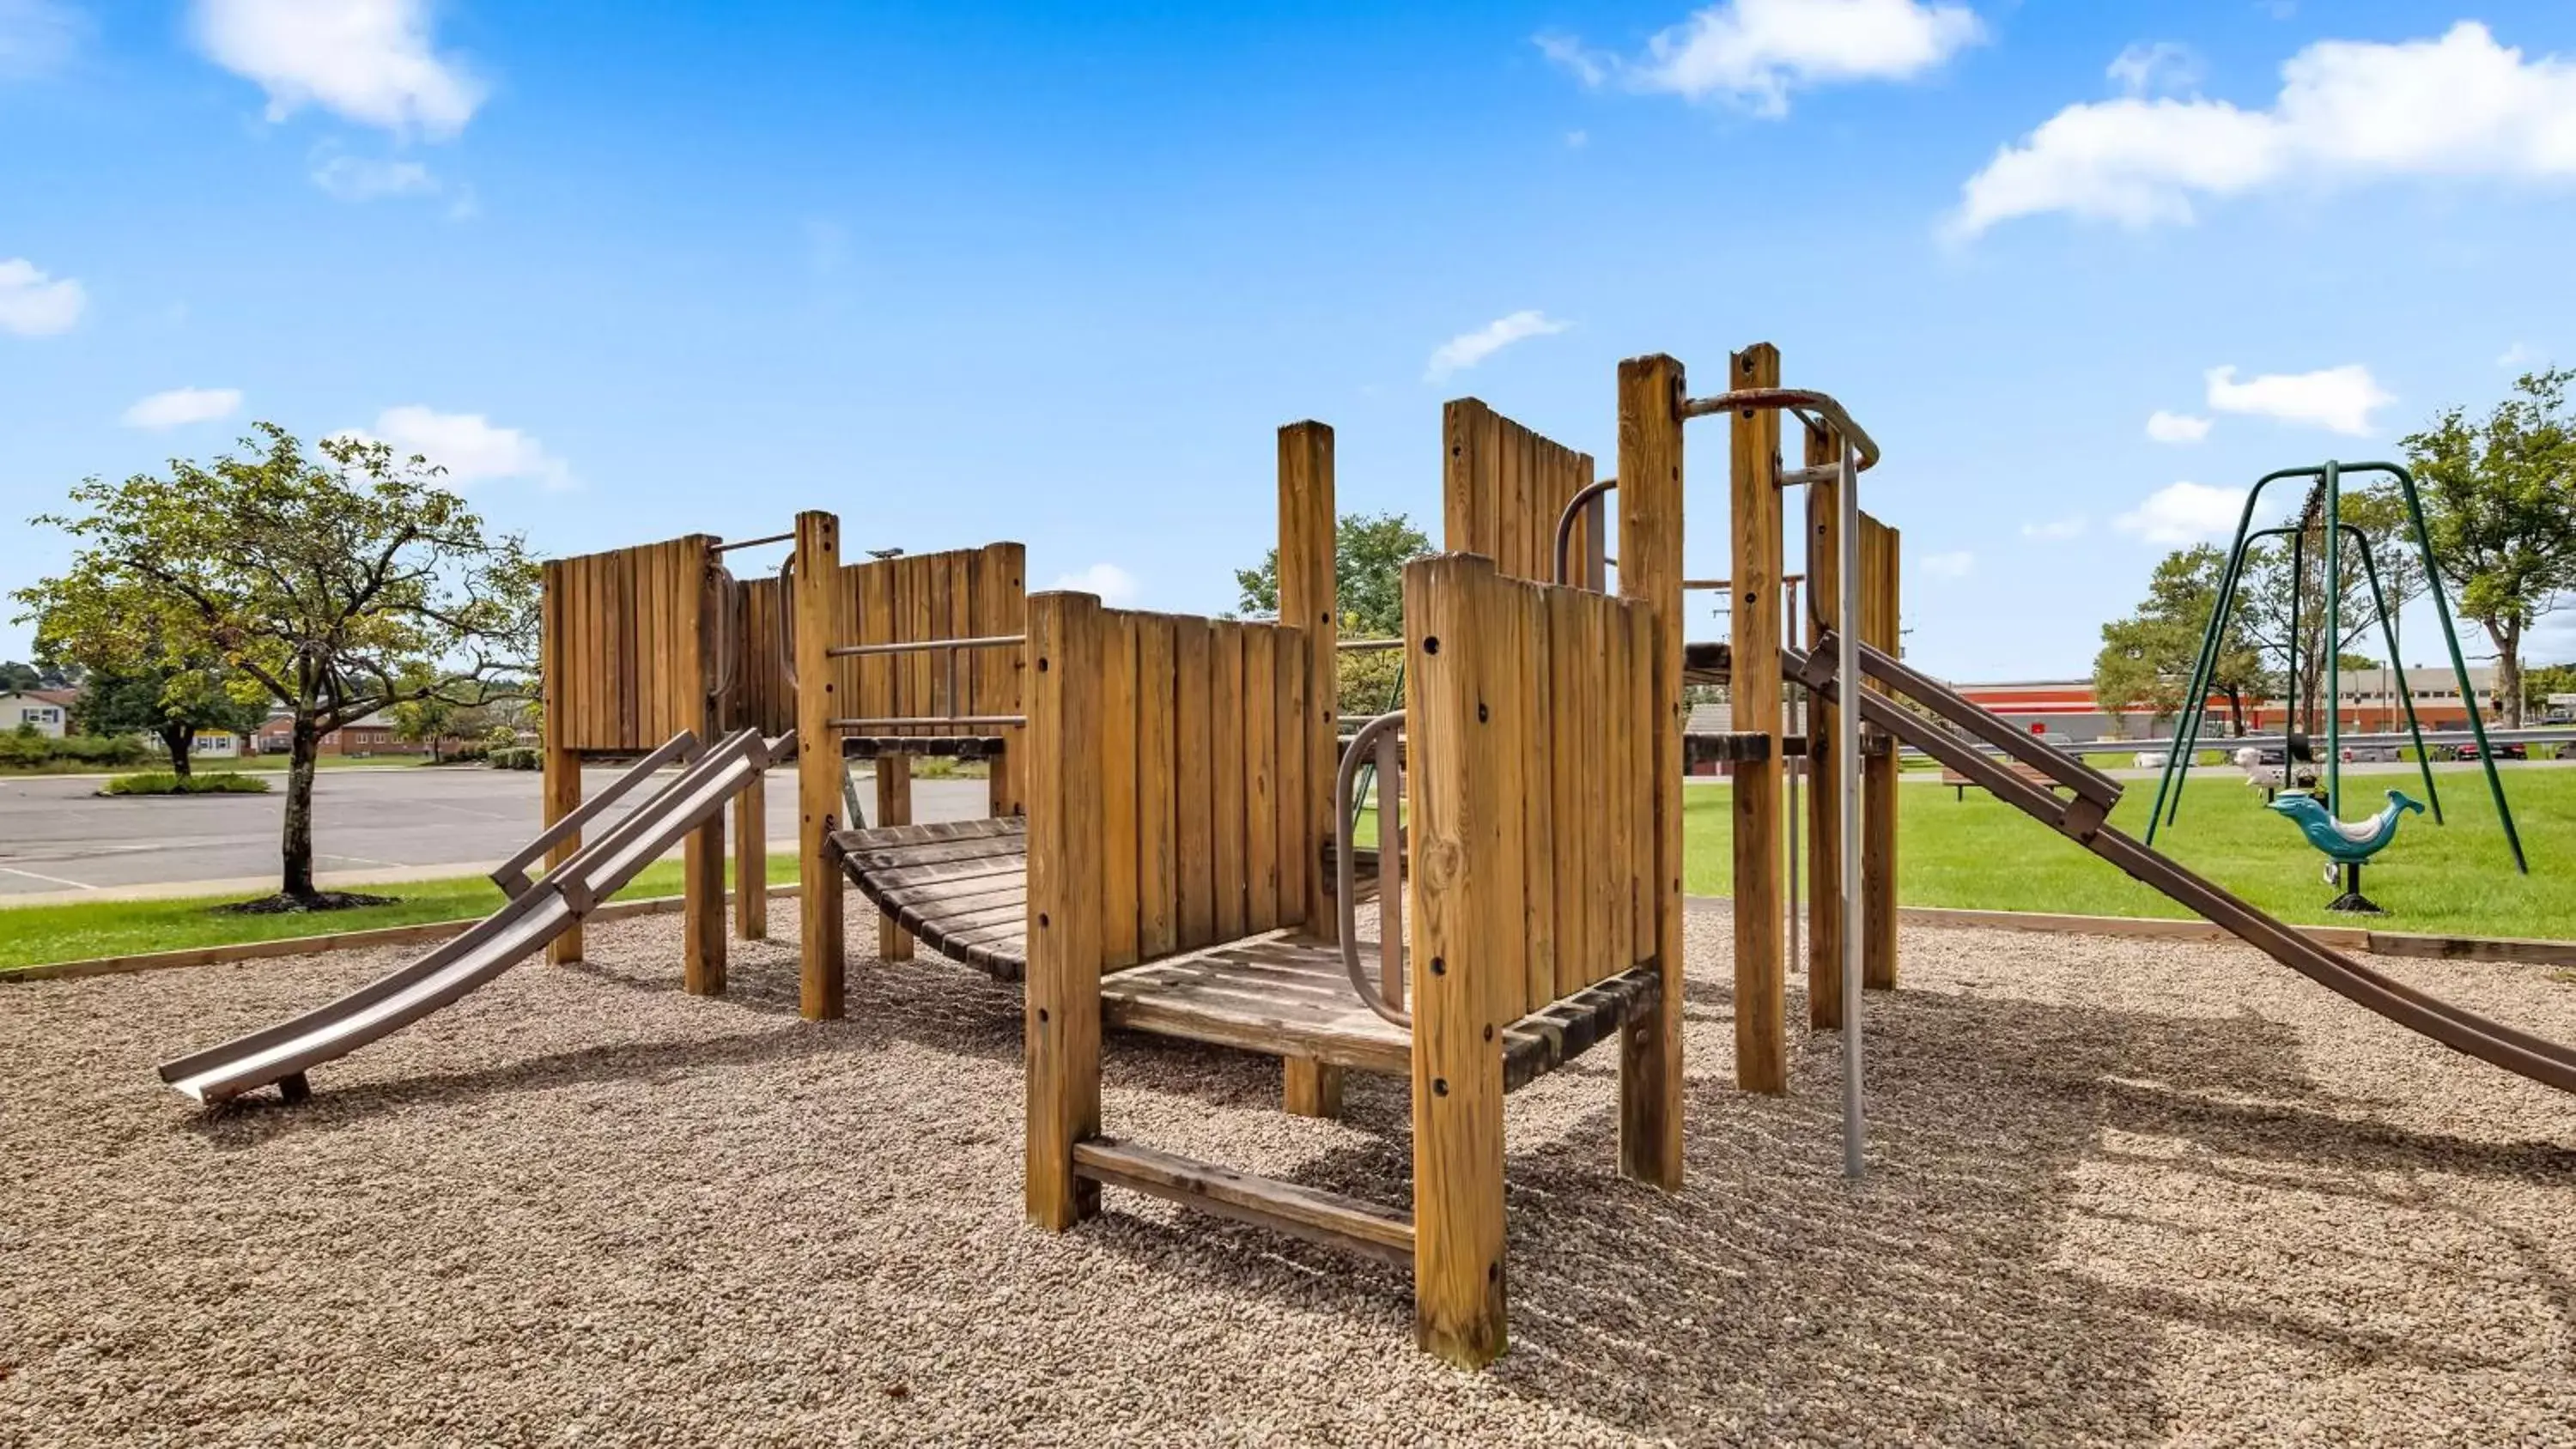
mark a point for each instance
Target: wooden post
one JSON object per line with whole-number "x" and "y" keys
{"x": 692, "y": 578}
{"x": 1466, "y": 919}
{"x": 1880, "y": 781}
{"x": 1309, "y": 601}
{"x": 1062, "y": 1012}
{"x": 563, "y": 764}
{"x": 1650, "y": 568}
{"x": 1825, "y": 844}
{"x": 894, "y": 807}
{"x": 1761, "y": 1000}
{"x": 819, "y": 625}
{"x": 751, "y": 862}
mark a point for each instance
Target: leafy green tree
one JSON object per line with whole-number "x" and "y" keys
{"x": 342, "y": 585}
{"x": 2542, "y": 681}
{"x": 172, "y": 703}
{"x": 2500, "y": 495}
{"x": 15, "y": 676}
{"x": 2146, "y": 661}
{"x": 1369, "y": 555}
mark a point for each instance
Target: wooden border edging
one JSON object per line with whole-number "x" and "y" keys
{"x": 417, "y": 933}
{"x": 2183, "y": 928}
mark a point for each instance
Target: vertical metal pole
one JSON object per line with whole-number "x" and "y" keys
{"x": 2405, "y": 692}
{"x": 2298, "y": 599}
{"x": 1805, "y": 704}
{"x": 1847, "y": 721}
{"x": 2334, "y": 639}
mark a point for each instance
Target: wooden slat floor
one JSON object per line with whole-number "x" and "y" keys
{"x": 960, "y": 886}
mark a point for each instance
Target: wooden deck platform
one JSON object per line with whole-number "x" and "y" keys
{"x": 1286, "y": 996}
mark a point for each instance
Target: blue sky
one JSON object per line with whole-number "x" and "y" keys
{"x": 1055, "y": 273}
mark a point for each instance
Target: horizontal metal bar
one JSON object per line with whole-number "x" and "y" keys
{"x": 786, "y": 537}
{"x": 1720, "y": 584}
{"x": 923, "y": 646}
{"x": 1792, "y": 399}
{"x": 1369, "y": 644}
{"x": 924, "y": 721}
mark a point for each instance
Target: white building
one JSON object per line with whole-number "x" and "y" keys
{"x": 49, "y": 710}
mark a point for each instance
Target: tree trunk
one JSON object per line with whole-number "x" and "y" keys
{"x": 177, "y": 739}
{"x": 304, "y": 747}
{"x": 2507, "y": 634}
{"x": 2236, "y": 711}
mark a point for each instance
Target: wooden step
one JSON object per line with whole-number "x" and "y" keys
{"x": 1285, "y": 1207}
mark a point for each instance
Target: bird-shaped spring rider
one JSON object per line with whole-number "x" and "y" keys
{"x": 2346, "y": 843}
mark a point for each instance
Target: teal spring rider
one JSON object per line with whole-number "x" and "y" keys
{"x": 2346, "y": 843}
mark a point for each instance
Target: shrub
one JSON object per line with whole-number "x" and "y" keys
{"x": 162, "y": 782}
{"x": 515, "y": 757}
{"x": 23, "y": 748}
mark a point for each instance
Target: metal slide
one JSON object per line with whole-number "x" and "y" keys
{"x": 2080, "y": 818}
{"x": 536, "y": 915}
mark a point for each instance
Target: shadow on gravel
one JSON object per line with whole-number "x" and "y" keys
{"x": 1772, "y": 1299}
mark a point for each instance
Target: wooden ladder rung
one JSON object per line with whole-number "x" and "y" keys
{"x": 1301, "y": 1212}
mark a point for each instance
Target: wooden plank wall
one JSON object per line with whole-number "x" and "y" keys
{"x": 954, "y": 594}
{"x": 1198, "y": 839}
{"x": 1503, "y": 487}
{"x": 621, "y": 621}
{"x": 1568, "y": 732}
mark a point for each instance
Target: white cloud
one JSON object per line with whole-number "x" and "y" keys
{"x": 37, "y": 37}
{"x": 370, "y": 61}
{"x": 1957, "y": 564}
{"x": 2162, "y": 65}
{"x": 1577, "y": 140}
{"x": 1469, "y": 348}
{"x": 1753, "y": 53}
{"x": 33, "y": 304}
{"x": 360, "y": 178}
{"x": 1115, "y": 586}
{"x": 2338, "y": 399}
{"x": 2167, "y": 427}
{"x": 181, "y": 406}
{"x": 2348, "y": 111}
{"x": 2055, "y": 530}
{"x": 2184, "y": 513}
{"x": 468, "y": 446}
{"x": 2521, "y": 354}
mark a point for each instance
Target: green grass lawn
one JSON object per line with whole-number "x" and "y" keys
{"x": 31, "y": 935}
{"x": 258, "y": 763}
{"x": 2451, "y": 879}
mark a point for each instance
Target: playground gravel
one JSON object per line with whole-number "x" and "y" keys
{"x": 2120, "y": 1192}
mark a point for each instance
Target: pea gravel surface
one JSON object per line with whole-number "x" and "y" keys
{"x": 2120, "y": 1192}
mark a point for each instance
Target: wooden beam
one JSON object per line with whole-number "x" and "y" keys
{"x": 1650, "y": 569}
{"x": 751, "y": 861}
{"x": 1825, "y": 842}
{"x": 555, "y": 656}
{"x": 1761, "y": 998}
{"x": 1466, "y": 918}
{"x": 1309, "y": 1088}
{"x": 820, "y": 623}
{"x": 894, "y": 807}
{"x": 1881, "y": 782}
{"x": 694, "y": 610}
{"x": 1062, "y": 1013}
{"x": 1284, "y": 1207}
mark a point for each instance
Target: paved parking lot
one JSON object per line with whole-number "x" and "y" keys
{"x": 59, "y": 838}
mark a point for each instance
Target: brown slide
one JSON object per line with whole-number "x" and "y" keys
{"x": 282, "y": 1053}
{"x": 2079, "y": 815}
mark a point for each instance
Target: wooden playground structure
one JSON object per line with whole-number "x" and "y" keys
{"x": 1174, "y": 841}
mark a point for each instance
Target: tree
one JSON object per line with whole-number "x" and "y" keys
{"x": 1369, "y": 555}
{"x": 44, "y": 674}
{"x": 170, "y": 702}
{"x": 2500, "y": 500}
{"x": 342, "y": 585}
{"x": 2147, "y": 659}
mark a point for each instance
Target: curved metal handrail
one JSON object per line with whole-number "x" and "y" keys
{"x": 1345, "y": 869}
{"x": 1565, "y": 521}
{"x": 1790, "y": 399}
{"x": 729, "y": 643}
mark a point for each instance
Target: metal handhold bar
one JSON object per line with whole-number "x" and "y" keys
{"x": 1346, "y": 869}
{"x": 923, "y": 646}
{"x": 754, "y": 542}
{"x": 1791, "y": 399}
{"x": 924, "y": 721}
{"x": 1367, "y": 644}
{"x": 787, "y": 621}
{"x": 1574, "y": 507}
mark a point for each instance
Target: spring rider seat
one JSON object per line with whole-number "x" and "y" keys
{"x": 2345, "y": 843}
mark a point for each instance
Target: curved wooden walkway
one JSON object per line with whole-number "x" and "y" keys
{"x": 960, "y": 886}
